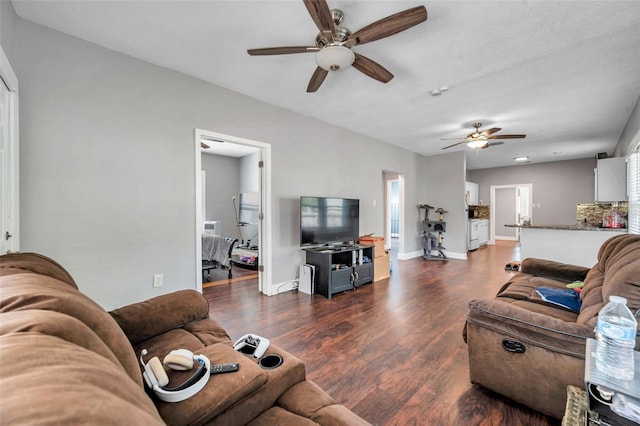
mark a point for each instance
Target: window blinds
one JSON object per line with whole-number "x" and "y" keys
{"x": 633, "y": 174}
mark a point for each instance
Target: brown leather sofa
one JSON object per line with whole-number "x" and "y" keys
{"x": 65, "y": 360}
{"x": 530, "y": 350}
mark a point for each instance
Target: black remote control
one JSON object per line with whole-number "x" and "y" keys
{"x": 224, "y": 368}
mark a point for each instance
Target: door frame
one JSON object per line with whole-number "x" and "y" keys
{"x": 492, "y": 202}
{"x": 265, "y": 224}
{"x": 387, "y": 177}
{"x": 10, "y": 192}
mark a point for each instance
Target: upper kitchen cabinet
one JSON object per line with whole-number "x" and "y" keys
{"x": 611, "y": 180}
{"x": 472, "y": 193}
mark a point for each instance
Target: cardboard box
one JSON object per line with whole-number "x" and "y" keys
{"x": 381, "y": 268}
{"x": 377, "y": 242}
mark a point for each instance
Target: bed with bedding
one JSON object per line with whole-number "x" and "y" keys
{"x": 216, "y": 253}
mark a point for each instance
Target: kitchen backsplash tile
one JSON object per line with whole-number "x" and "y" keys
{"x": 478, "y": 212}
{"x": 592, "y": 213}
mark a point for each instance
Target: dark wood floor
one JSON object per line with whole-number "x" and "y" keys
{"x": 391, "y": 351}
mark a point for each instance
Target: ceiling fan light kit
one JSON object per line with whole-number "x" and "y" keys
{"x": 334, "y": 58}
{"x": 481, "y": 139}
{"x": 477, "y": 143}
{"x": 334, "y": 43}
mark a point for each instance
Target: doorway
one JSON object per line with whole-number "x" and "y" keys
{"x": 9, "y": 162}
{"x": 510, "y": 204}
{"x": 393, "y": 212}
{"x": 263, "y": 174}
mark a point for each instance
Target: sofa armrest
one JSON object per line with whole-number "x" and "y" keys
{"x": 143, "y": 320}
{"x": 554, "y": 270}
{"x": 515, "y": 321}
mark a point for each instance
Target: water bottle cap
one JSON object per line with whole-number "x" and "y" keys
{"x": 618, "y": 299}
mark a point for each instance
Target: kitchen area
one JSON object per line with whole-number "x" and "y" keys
{"x": 578, "y": 243}
{"x": 573, "y": 207}
{"x": 478, "y": 219}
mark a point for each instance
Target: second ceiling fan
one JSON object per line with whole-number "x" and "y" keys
{"x": 482, "y": 139}
{"x": 333, "y": 43}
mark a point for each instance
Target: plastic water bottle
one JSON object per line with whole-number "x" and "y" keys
{"x": 616, "y": 338}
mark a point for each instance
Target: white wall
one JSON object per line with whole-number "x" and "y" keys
{"x": 249, "y": 176}
{"x": 107, "y": 169}
{"x": 505, "y": 212}
{"x": 223, "y": 183}
{"x": 445, "y": 184}
{"x": 7, "y": 29}
{"x": 630, "y": 131}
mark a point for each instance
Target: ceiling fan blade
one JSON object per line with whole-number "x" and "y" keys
{"x": 372, "y": 69}
{"x": 282, "y": 50}
{"x": 507, "y": 137}
{"x": 388, "y": 26}
{"x": 321, "y": 15}
{"x": 453, "y": 139}
{"x": 494, "y": 144}
{"x": 450, "y": 146}
{"x": 490, "y": 131}
{"x": 316, "y": 79}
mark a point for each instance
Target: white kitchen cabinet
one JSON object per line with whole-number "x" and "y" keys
{"x": 473, "y": 241}
{"x": 611, "y": 180}
{"x": 483, "y": 232}
{"x": 472, "y": 193}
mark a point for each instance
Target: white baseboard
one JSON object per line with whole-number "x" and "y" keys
{"x": 507, "y": 238}
{"x": 414, "y": 254}
{"x": 277, "y": 288}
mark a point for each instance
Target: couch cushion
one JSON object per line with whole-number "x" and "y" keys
{"x": 308, "y": 400}
{"x": 277, "y": 416}
{"x": 554, "y": 270}
{"x": 17, "y": 263}
{"x": 520, "y": 291}
{"x": 616, "y": 273}
{"x": 279, "y": 380}
{"x": 305, "y": 398}
{"x": 45, "y": 379}
{"x": 143, "y": 320}
{"x": 27, "y": 291}
{"x": 56, "y": 324}
{"x": 221, "y": 391}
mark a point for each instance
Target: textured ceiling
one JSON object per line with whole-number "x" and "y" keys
{"x": 565, "y": 73}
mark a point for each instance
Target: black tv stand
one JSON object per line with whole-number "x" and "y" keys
{"x": 340, "y": 267}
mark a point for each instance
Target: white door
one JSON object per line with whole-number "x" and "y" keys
{"x": 510, "y": 204}
{"x": 523, "y": 205}
{"x": 8, "y": 170}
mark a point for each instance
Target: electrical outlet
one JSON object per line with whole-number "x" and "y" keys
{"x": 158, "y": 280}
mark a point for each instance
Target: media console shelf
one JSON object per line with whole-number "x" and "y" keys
{"x": 340, "y": 268}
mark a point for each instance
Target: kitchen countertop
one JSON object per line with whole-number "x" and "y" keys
{"x": 575, "y": 227}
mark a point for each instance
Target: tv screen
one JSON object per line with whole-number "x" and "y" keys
{"x": 328, "y": 220}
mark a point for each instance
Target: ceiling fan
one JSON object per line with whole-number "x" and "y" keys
{"x": 333, "y": 43}
{"x": 480, "y": 140}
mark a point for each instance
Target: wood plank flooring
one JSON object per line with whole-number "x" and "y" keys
{"x": 391, "y": 351}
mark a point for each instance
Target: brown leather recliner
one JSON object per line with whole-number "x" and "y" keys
{"x": 65, "y": 360}
{"x": 530, "y": 350}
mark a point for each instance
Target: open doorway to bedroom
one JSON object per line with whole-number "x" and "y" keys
{"x": 393, "y": 216}
{"x": 233, "y": 233}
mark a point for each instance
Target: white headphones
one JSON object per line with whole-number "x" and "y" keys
{"x": 181, "y": 359}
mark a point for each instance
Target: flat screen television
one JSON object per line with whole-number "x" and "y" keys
{"x": 326, "y": 220}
